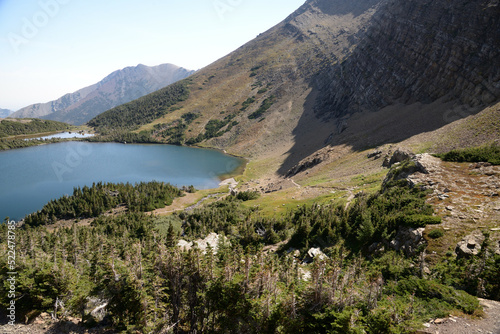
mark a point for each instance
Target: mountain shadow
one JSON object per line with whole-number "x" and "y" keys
{"x": 418, "y": 66}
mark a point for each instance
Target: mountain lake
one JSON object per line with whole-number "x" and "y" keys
{"x": 31, "y": 177}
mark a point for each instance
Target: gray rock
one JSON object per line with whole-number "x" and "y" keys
{"x": 399, "y": 155}
{"x": 414, "y": 54}
{"x": 377, "y": 154}
{"x": 408, "y": 240}
{"x": 96, "y": 308}
{"x": 470, "y": 245}
{"x": 212, "y": 241}
{"x": 314, "y": 253}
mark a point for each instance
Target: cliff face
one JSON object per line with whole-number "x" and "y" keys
{"x": 419, "y": 51}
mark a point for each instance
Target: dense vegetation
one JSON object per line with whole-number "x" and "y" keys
{"x": 89, "y": 202}
{"x": 214, "y": 129}
{"x": 487, "y": 153}
{"x": 247, "y": 103}
{"x": 29, "y": 126}
{"x": 121, "y": 136}
{"x": 126, "y": 272}
{"x": 368, "y": 220}
{"x": 175, "y": 132}
{"x": 8, "y": 144}
{"x": 144, "y": 110}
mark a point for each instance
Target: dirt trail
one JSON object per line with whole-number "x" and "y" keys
{"x": 490, "y": 324}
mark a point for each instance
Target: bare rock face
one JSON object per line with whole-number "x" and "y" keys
{"x": 413, "y": 167}
{"x": 470, "y": 245}
{"x": 419, "y": 51}
{"x": 408, "y": 240}
{"x": 303, "y": 165}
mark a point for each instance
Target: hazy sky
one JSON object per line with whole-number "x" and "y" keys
{"x": 52, "y": 47}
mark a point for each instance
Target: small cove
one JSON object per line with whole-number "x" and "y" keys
{"x": 30, "y": 177}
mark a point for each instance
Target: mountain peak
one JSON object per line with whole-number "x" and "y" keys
{"x": 119, "y": 87}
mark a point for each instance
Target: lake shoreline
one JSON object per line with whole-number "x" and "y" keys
{"x": 33, "y": 178}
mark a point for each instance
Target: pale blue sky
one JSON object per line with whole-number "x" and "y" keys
{"x": 52, "y": 47}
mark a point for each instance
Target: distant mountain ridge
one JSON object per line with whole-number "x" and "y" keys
{"x": 119, "y": 87}
{"x": 5, "y": 112}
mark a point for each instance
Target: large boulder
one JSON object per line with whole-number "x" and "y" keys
{"x": 314, "y": 253}
{"x": 412, "y": 169}
{"x": 470, "y": 245}
{"x": 399, "y": 155}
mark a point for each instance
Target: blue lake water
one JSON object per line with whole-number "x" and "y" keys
{"x": 30, "y": 177}
{"x": 66, "y": 135}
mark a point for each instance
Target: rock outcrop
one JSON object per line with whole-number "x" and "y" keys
{"x": 211, "y": 241}
{"x": 399, "y": 155}
{"x": 313, "y": 254}
{"x": 408, "y": 240}
{"x": 470, "y": 245}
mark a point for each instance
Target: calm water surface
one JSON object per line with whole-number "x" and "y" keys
{"x": 66, "y": 135}
{"x": 30, "y": 177}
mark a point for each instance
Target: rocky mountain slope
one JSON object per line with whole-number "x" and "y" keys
{"x": 117, "y": 88}
{"x": 338, "y": 72}
{"x": 420, "y": 51}
{"x": 419, "y": 67}
{"x": 264, "y": 87}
